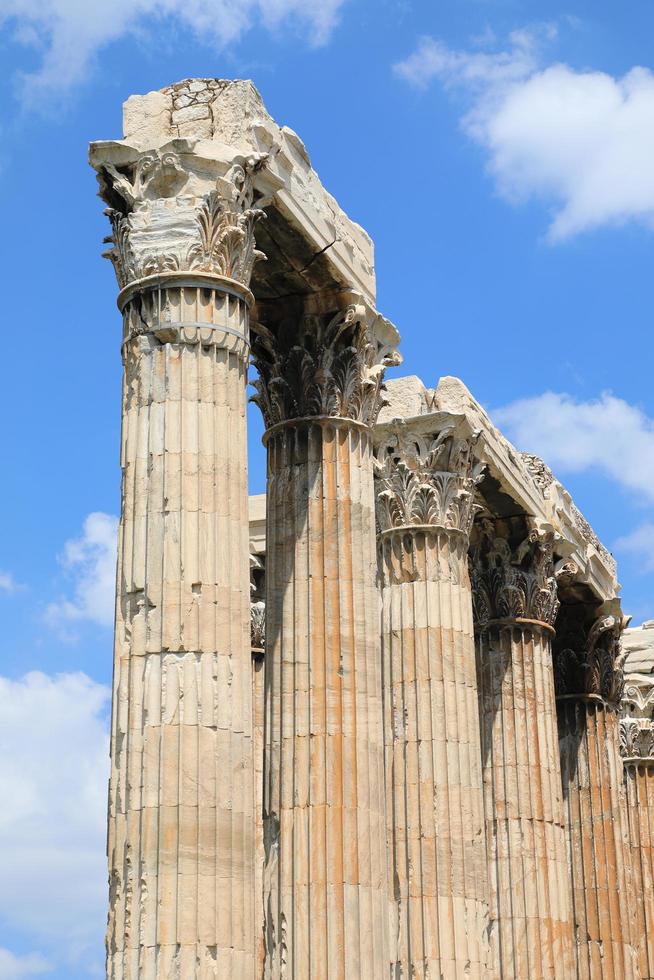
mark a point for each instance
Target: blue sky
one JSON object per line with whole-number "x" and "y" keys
{"x": 500, "y": 153}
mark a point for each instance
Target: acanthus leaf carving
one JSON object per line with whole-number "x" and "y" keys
{"x": 320, "y": 366}
{"x": 594, "y": 666}
{"x": 513, "y": 583}
{"x": 218, "y": 225}
{"x": 225, "y": 243}
{"x": 637, "y": 716}
{"x": 427, "y": 480}
{"x": 637, "y": 738}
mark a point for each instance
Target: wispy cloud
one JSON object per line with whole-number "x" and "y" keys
{"x": 582, "y": 141}
{"x": 70, "y": 33}
{"x": 53, "y": 779}
{"x": 606, "y": 435}
{"x": 9, "y": 584}
{"x": 13, "y": 967}
{"x": 640, "y": 544}
{"x": 90, "y": 563}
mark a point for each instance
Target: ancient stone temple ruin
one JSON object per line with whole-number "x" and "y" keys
{"x": 373, "y": 724}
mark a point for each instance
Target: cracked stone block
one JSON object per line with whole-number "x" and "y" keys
{"x": 191, "y": 114}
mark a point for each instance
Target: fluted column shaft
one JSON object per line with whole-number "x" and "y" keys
{"x": 637, "y": 745}
{"x": 589, "y": 681}
{"x": 257, "y": 731}
{"x": 515, "y": 604}
{"x": 181, "y": 820}
{"x": 324, "y": 823}
{"x": 591, "y": 770}
{"x": 531, "y": 927}
{"x": 639, "y": 785}
{"x": 433, "y": 756}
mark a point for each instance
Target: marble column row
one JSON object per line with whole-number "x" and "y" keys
{"x": 405, "y": 798}
{"x": 424, "y": 808}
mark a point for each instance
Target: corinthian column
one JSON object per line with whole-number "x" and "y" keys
{"x": 514, "y": 593}
{"x": 589, "y": 679}
{"x": 435, "y": 812}
{"x": 637, "y": 748}
{"x": 325, "y": 887}
{"x": 181, "y": 822}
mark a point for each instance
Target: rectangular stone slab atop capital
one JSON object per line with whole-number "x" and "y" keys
{"x": 309, "y": 241}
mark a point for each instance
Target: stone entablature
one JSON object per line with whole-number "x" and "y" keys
{"x": 577, "y": 551}
{"x": 532, "y": 486}
{"x": 218, "y": 120}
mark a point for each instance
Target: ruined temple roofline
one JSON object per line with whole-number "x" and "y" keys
{"x": 309, "y": 241}
{"x": 522, "y": 477}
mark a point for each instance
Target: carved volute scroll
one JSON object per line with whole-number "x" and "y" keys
{"x": 637, "y": 719}
{"x": 427, "y": 480}
{"x": 513, "y": 582}
{"x": 168, "y": 216}
{"x": 587, "y": 658}
{"x": 323, "y": 365}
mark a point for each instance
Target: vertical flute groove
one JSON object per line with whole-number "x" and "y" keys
{"x": 639, "y": 806}
{"x": 433, "y": 756}
{"x": 532, "y": 936}
{"x": 589, "y": 683}
{"x": 328, "y": 918}
{"x": 181, "y": 812}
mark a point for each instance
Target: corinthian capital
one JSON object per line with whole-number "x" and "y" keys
{"x": 637, "y": 711}
{"x": 323, "y": 365}
{"x": 427, "y": 479}
{"x": 511, "y": 582}
{"x": 588, "y": 661}
{"x": 637, "y": 739}
{"x": 173, "y": 211}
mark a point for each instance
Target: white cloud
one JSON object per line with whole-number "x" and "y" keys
{"x": 70, "y": 32}
{"x": 640, "y": 544}
{"x": 90, "y": 562}
{"x": 434, "y": 60}
{"x": 14, "y": 967}
{"x": 607, "y": 434}
{"x": 583, "y": 141}
{"x": 9, "y": 584}
{"x": 53, "y": 785}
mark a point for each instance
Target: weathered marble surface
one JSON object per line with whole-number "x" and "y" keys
{"x": 526, "y": 821}
{"x": 212, "y": 206}
{"x": 314, "y": 772}
{"x": 309, "y": 240}
{"x": 637, "y": 745}
{"x": 588, "y": 669}
{"x": 425, "y": 484}
{"x": 325, "y": 870}
{"x": 532, "y": 485}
